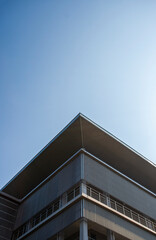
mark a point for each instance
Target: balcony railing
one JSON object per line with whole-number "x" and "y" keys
{"x": 47, "y": 212}
{"x": 77, "y": 192}
{"x": 121, "y": 208}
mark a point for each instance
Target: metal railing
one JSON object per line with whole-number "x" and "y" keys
{"x": 72, "y": 194}
{"x": 121, "y": 208}
{"x": 47, "y": 212}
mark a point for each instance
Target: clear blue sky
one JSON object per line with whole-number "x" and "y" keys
{"x": 59, "y": 58}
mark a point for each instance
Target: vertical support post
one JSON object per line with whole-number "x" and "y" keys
{"x": 110, "y": 235}
{"x": 64, "y": 199}
{"x": 82, "y": 166}
{"x": 108, "y": 201}
{"x": 83, "y": 188}
{"x": 83, "y": 229}
{"x": 60, "y": 236}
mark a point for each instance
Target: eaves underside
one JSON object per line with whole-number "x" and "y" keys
{"x": 81, "y": 132}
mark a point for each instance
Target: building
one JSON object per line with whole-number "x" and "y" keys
{"x": 85, "y": 184}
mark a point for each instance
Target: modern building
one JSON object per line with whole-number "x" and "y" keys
{"x": 85, "y": 184}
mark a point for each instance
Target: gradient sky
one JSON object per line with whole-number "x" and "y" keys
{"x": 62, "y": 57}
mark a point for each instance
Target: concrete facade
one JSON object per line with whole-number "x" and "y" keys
{"x": 79, "y": 194}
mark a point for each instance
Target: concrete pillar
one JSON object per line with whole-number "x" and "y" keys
{"x": 84, "y": 188}
{"x": 108, "y": 201}
{"x": 64, "y": 199}
{"x": 110, "y": 235}
{"x": 83, "y": 229}
{"x": 60, "y": 236}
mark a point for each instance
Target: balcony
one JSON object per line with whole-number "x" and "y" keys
{"x": 121, "y": 208}
{"x": 92, "y": 194}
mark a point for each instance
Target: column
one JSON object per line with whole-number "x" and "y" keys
{"x": 60, "y": 236}
{"x": 83, "y": 229}
{"x": 64, "y": 199}
{"x": 110, "y": 235}
{"x": 108, "y": 201}
{"x": 83, "y": 188}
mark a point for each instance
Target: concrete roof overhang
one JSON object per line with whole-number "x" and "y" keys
{"x": 82, "y": 133}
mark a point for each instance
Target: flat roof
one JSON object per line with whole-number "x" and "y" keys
{"x": 81, "y": 132}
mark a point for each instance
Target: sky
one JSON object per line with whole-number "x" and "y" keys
{"x": 59, "y": 58}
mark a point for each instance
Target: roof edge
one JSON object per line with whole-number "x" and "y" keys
{"x": 63, "y": 130}
{"x": 118, "y": 140}
{"x": 43, "y": 149}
